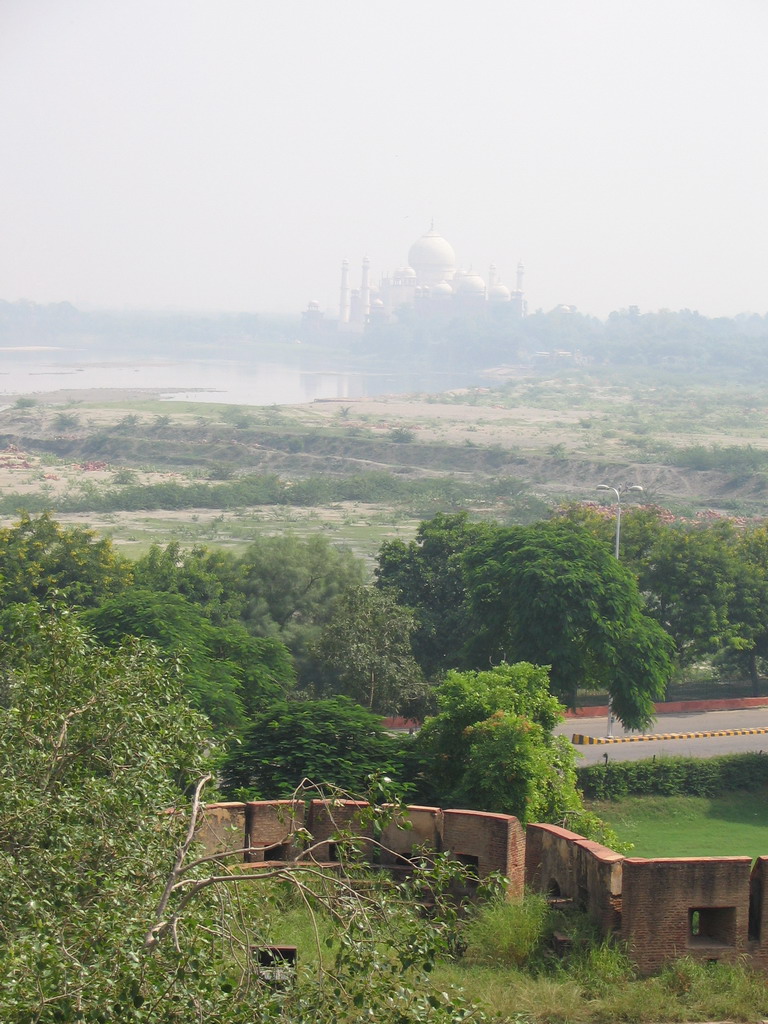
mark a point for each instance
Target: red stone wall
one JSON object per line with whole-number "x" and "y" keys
{"x": 329, "y": 816}
{"x": 758, "y": 913}
{"x": 564, "y": 864}
{"x": 497, "y": 841}
{"x": 660, "y": 896}
{"x": 550, "y": 864}
{"x": 222, "y": 828}
{"x": 270, "y": 828}
{"x": 425, "y": 832}
{"x": 709, "y": 908}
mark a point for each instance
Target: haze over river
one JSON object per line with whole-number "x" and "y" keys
{"x": 28, "y": 371}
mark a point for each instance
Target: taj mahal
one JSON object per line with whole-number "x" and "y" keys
{"x": 430, "y": 282}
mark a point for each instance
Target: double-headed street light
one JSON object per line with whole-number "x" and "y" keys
{"x": 619, "y": 492}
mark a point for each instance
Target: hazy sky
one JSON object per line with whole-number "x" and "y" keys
{"x": 228, "y": 154}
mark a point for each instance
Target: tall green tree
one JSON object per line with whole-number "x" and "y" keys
{"x": 552, "y": 594}
{"x": 690, "y": 580}
{"x": 427, "y": 575}
{"x": 365, "y": 652}
{"x": 227, "y": 673}
{"x": 40, "y": 559}
{"x": 109, "y": 914}
{"x": 332, "y": 740}
{"x": 209, "y": 578}
{"x": 491, "y": 746}
{"x": 289, "y": 586}
{"x": 94, "y": 745}
{"x": 748, "y": 641}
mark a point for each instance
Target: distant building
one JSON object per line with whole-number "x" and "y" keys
{"x": 430, "y": 282}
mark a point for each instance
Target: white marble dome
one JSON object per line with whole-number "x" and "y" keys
{"x": 432, "y": 258}
{"x": 443, "y": 288}
{"x": 469, "y": 283}
{"x": 499, "y": 293}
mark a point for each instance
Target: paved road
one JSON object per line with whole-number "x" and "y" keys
{"x": 708, "y": 721}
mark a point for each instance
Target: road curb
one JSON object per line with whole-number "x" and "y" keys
{"x": 676, "y": 707}
{"x": 578, "y": 739}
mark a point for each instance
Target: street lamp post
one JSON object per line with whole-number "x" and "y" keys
{"x": 619, "y": 492}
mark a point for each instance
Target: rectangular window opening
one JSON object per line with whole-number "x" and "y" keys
{"x": 472, "y": 864}
{"x": 712, "y": 926}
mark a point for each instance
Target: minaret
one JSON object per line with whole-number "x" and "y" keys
{"x": 344, "y": 301}
{"x": 493, "y": 276}
{"x": 517, "y": 295}
{"x": 365, "y": 289}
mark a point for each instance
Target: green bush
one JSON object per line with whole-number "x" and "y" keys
{"x": 674, "y": 776}
{"x": 505, "y": 933}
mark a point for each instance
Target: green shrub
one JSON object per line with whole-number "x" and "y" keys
{"x": 503, "y": 933}
{"x": 674, "y": 776}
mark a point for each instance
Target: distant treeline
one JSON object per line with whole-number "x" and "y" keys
{"x": 424, "y": 495}
{"x": 681, "y": 341}
{"x": 665, "y": 340}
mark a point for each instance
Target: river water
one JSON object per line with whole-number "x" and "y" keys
{"x": 30, "y": 371}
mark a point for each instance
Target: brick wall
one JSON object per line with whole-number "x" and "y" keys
{"x": 222, "y": 828}
{"x": 567, "y": 866}
{"x": 421, "y": 830}
{"x": 758, "y": 913}
{"x": 550, "y": 865}
{"x": 327, "y": 817}
{"x": 696, "y": 906}
{"x": 270, "y": 828}
{"x": 711, "y": 908}
{"x": 495, "y": 842}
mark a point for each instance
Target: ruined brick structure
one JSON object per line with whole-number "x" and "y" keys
{"x": 710, "y": 908}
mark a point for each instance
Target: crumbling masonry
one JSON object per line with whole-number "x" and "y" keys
{"x": 710, "y": 908}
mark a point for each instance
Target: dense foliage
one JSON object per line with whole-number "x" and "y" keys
{"x": 365, "y": 651}
{"x": 227, "y": 672}
{"x": 109, "y": 914}
{"x": 93, "y": 746}
{"x": 674, "y": 776}
{"x": 40, "y": 559}
{"x": 491, "y": 745}
{"x": 551, "y": 593}
{"x": 331, "y": 741}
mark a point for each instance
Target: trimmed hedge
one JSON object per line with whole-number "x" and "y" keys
{"x": 674, "y": 776}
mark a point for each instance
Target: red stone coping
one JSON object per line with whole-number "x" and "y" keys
{"x": 673, "y": 707}
{"x": 668, "y": 707}
{"x": 485, "y": 815}
{"x": 687, "y": 860}
{"x": 597, "y": 850}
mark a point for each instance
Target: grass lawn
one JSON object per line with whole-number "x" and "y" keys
{"x": 733, "y": 825}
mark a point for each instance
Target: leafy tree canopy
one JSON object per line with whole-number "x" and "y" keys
{"x": 553, "y": 594}
{"x": 290, "y": 581}
{"x": 39, "y": 558}
{"x": 333, "y": 740}
{"x": 491, "y": 745}
{"x": 366, "y": 650}
{"x": 227, "y": 672}
{"x": 206, "y": 577}
{"x": 94, "y": 745}
{"x": 427, "y": 575}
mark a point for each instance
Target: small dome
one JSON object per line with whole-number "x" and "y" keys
{"x": 432, "y": 258}
{"x": 499, "y": 293}
{"x": 470, "y": 283}
{"x": 443, "y": 288}
{"x": 378, "y": 303}
{"x": 404, "y": 275}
